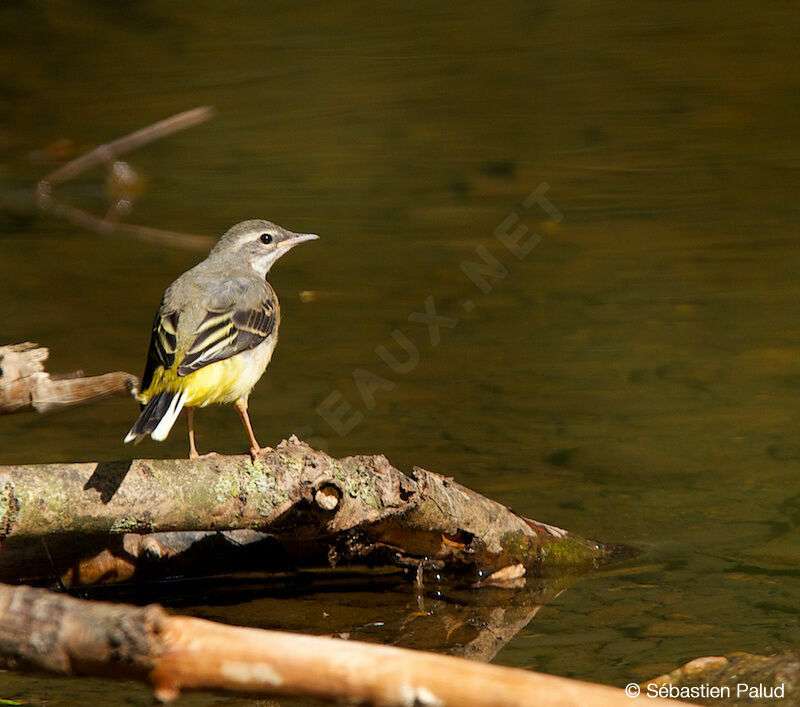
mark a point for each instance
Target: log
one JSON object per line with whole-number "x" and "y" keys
{"x": 25, "y": 385}
{"x": 735, "y": 679}
{"x": 45, "y": 632}
{"x": 321, "y": 510}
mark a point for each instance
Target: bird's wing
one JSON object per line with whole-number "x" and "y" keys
{"x": 162, "y": 344}
{"x": 238, "y": 317}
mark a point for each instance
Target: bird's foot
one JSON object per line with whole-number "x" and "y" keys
{"x": 257, "y": 451}
{"x": 207, "y": 455}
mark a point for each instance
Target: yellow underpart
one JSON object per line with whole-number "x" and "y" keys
{"x": 220, "y": 382}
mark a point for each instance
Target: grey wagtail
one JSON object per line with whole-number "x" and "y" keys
{"x": 214, "y": 332}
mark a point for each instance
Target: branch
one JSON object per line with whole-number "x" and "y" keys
{"x": 105, "y": 227}
{"x": 105, "y": 155}
{"x": 321, "y": 510}
{"x": 24, "y": 384}
{"x": 42, "y": 631}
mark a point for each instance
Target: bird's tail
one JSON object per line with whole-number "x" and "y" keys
{"x": 158, "y": 417}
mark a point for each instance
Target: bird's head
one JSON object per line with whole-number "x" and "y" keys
{"x": 258, "y": 243}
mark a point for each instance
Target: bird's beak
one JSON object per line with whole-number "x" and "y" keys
{"x": 297, "y": 238}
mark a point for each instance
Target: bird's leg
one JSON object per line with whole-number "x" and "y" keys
{"x": 190, "y": 422}
{"x": 241, "y": 407}
{"x": 192, "y": 449}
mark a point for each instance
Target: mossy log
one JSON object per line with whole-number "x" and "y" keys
{"x": 321, "y": 510}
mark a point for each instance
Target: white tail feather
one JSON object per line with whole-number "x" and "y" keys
{"x": 165, "y": 425}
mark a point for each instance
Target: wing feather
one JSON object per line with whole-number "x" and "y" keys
{"x": 222, "y": 334}
{"x": 163, "y": 342}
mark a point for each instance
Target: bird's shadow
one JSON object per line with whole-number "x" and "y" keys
{"x": 107, "y": 478}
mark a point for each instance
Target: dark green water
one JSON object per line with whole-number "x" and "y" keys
{"x": 633, "y": 377}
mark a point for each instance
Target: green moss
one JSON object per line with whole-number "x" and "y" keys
{"x": 370, "y": 498}
{"x": 261, "y": 483}
{"x": 9, "y": 506}
{"x": 516, "y": 544}
{"x": 560, "y": 553}
{"x": 358, "y": 482}
{"x": 568, "y": 552}
{"x": 338, "y": 472}
{"x": 293, "y": 464}
{"x": 34, "y": 518}
{"x": 39, "y": 515}
{"x": 127, "y": 524}
{"x": 227, "y": 486}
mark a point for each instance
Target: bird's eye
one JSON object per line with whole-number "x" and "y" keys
{"x": 266, "y": 238}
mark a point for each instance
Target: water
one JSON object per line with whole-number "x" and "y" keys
{"x": 632, "y": 378}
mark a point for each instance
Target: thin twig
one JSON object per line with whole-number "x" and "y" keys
{"x": 104, "y": 154}
{"x": 104, "y": 227}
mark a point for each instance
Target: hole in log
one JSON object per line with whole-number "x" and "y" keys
{"x": 328, "y": 497}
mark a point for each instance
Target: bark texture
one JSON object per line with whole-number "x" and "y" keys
{"x": 25, "y": 385}
{"x": 40, "y": 631}
{"x": 741, "y": 678}
{"x": 321, "y": 509}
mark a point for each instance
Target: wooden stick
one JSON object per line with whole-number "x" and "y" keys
{"x": 107, "y": 153}
{"x": 105, "y": 227}
{"x": 42, "y": 631}
{"x": 25, "y": 385}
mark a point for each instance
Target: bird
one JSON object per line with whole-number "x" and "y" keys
{"x": 214, "y": 332}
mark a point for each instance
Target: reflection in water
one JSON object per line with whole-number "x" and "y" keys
{"x": 632, "y": 379}
{"x": 470, "y": 623}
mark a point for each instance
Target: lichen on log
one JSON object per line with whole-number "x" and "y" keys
{"x": 357, "y": 509}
